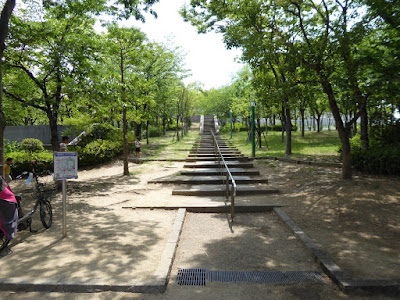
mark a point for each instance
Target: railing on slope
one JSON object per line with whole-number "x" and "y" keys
{"x": 216, "y": 126}
{"x": 230, "y": 192}
{"x": 201, "y": 123}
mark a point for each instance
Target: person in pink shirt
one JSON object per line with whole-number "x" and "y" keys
{"x": 8, "y": 210}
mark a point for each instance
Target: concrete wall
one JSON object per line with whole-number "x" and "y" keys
{"x": 40, "y": 132}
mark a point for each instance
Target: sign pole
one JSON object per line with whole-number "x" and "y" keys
{"x": 64, "y": 207}
{"x": 253, "y": 144}
{"x": 65, "y": 167}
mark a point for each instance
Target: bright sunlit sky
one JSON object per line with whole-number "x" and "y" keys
{"x": 206, "y": 56}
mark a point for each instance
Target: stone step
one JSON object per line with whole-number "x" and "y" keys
{"x": 210, "y": 180}
{"x": 233, "y": 164}
{"x": 220, "y": 190}
{"x": 212, "y": 154}
{"x": 214, "y": 158}
{"x": 211, "y": 148}
{"x": 215, "y": 171}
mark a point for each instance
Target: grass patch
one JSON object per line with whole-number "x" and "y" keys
{"x": 167, "y": 147}
{"x": 313, "y": 146}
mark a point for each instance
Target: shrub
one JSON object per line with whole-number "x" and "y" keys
{"x": 98, "y": 151}
{"x": 155, "y": 131}
{"x": 22, "y": 161}
{"x": 10, "y": 146}
{"x": 101, "y": 131}
{"x": 31, "y": 145}
{"x": 380, "y": 158}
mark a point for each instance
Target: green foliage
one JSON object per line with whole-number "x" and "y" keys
{"x": 389, "y": 134}
{"x": 382, "y": 157}
{"x": 378, "y": 159}
{"x": 102, "y": 131}
{"x": 10, "y": 146}
{"x": 155, "y": 131}
{"x": 22, "y": 161}
{"x": 242, "y": 127}
{"x": 99, "y": 151}
{"x": 31, "y": 145}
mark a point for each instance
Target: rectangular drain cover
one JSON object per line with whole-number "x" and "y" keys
{"x": 199, "y": 277}
{"x": 191, "y": 277}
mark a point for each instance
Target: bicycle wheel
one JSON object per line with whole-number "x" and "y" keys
{"x": 46, "y": 213}
{"x": 3, "y": 241}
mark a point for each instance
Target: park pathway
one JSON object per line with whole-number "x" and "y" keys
{"x": 204, "y": 177}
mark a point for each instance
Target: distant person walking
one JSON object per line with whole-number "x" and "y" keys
{"x": 64, "y": 144}
{"x": 7, "y": 170}
{"x": 137, "y": 147}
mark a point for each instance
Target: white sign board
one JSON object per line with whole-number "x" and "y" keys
{"x": 65, "y": 165}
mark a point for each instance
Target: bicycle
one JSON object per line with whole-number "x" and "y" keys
{"x": 25, "y": 220}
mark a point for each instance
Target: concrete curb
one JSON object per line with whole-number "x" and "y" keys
{"x": 163, "y": 271}
{"x": 81, "y": 285}
{"x": 333, "y": 271}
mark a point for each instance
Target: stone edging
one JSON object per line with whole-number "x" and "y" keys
{"x": 333, "y": 271}
{"x": 163, "y": 271}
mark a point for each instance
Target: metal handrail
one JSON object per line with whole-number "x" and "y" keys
{"x": 201, "y": 123}
{"x": 229, "y": 178}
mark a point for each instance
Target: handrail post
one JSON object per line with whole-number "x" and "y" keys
{"x": 232, "y": 204}
{"x": 227, "y": 186}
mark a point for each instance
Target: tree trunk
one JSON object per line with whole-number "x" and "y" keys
{"x": 288, "y": 128}
{"x": 53, "y": 130}
{"x": 177, "y": 128}
{"x": 259, "y": 132}
{"x": 164, "y": 126}
{"x": 125, "y": 132}
{"x": 344, "y": 132}
{"x": 283, "y": 124}
{"x": 147, "y": 131}
{"x": 318, "y": 122}
{"x": 302, "y": 121}
{"x": 4, "y": 19}
{"x": 138, "y": 130}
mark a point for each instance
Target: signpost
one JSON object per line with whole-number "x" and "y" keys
{"x": 253, "y": 143}
{"x": 65, "y": 167}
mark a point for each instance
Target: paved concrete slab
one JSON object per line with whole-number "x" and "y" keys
{"x": 214, "y": 190}
{"x": 212, "y": 179}
{"x": 216, "y": 171}
{"x": 234, "y": 164}
{"x": 106, "y": 250}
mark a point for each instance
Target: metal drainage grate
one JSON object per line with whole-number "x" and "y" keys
{"x": 199, "y": 277}
{"x": 191, "y": 277}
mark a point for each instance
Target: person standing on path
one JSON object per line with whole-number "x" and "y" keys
{"x": 137, "y": 147}
{"x": 7, "y": 170}
{"x": 64, "y": 144}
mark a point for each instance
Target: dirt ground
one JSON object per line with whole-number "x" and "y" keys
{"x": 356, "y": 222}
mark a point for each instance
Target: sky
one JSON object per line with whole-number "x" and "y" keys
{"x": 206, "y": 56}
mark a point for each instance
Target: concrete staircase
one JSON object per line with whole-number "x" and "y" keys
{"x": 203, "y": 177}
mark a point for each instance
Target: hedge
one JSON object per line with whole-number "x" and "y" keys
{"x": 379, "y": 158}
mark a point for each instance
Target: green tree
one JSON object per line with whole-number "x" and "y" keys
{"x": 318, "y": 36}
{"x": 40, "y": 67}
